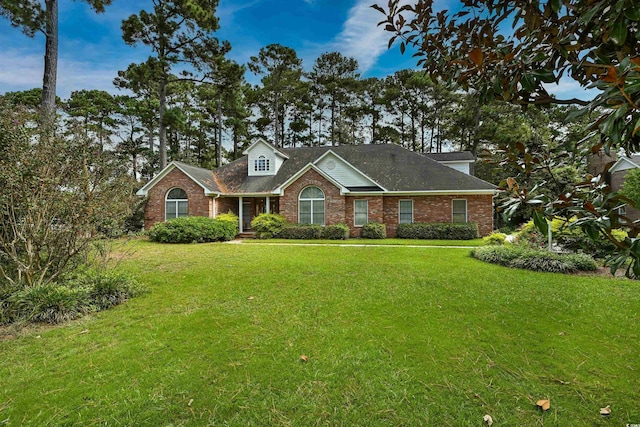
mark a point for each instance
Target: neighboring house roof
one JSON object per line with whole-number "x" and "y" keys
{"x": 390, "y": 167}
{"x": 456, "y": 156}
{"x": 624, "y": 163}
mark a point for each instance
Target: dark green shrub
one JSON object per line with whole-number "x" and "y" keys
{"x": 268, "y": 225}
{"x": 194, "y": 229}
{"x": 300, "y": 232}
{"x": 438, "y": 231}
{"x": 373, "y": 230}
{"x": 336, "y": 232}
{"x": 49, "y": 303}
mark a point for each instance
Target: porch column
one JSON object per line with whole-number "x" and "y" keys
{"x": 240, "y": 214}
{"x": 268, "y": 208}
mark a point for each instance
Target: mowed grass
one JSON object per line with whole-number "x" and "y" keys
{"x": 358, "y": 241}
{"x": 393, "y": 336}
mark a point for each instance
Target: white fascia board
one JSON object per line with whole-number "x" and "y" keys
{"x": 621, "y": 163}
{"x": 271, "y": 147}
{"x": 149, "y": 185}
{"x": 364, "y": 175}
{"x": 247, "y": 194}
{"x": 280, "y": 190}
{"x": 444, "y": 162}
{"x": 171, "y": 166}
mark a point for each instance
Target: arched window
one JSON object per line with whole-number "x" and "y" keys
{"x": 261, "y": 164}
{"x": 176, "y": 204}
{"x": 311, "y": 206}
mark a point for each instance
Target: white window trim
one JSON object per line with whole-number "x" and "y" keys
{"x": 412, "y": 209}
{"x": 366, "y": 211}
{"x": 466, "y": 210}
{"x": 261, "y": 164}
{"x": 324, "y": 205}
{"x": 166, "y": 199}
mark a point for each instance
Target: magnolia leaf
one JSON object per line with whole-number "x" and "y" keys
{"x": 303, "y": 358}
{"x": 544, "y": 404}
{"x": 611, "y": 76}
{"x": 511, "y": 182}
{"x": 541, "y": 223}
{"x": 606, "y": 410}
{"x": 476, "y": 56}
{"x": 619, "y": 32}
{"x": 637, "y": 127}
{"x": 488, "y": 420}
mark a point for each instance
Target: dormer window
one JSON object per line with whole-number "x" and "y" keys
{"x": 261, "y": 164}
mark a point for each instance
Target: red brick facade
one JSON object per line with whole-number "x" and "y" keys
{"x": 338, "y": 208}
{"x": 199, "y": 204}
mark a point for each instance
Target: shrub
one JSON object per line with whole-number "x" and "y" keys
{"x": 231, "y": 218}
{"x": 582, "y": 262}
{"x": 300, "y": 232}
{"x": 542, "y": 261}
{"x": 50, "y": 303}
{"x": 438, "y": 231}
{"x": 502, "y": 255}
{"x": 373, "y": 230}
{"x": 106, "y": 289}
{"x": 195, "y": 229}
{"x": 336, "y": 232}
{"x": 536, "y": 260}
{"x": 267, "y": 225}
{"x": 494, "y": 239}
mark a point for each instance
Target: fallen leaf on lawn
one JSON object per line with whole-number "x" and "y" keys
{"x": 304, "y": 358}
{"x": 545, "y": 404}
{"x": 249, "y": 298}
{"x": 190, "y": 402}
{"x": 606, "y": 410}
{"x": 488, "y": 420}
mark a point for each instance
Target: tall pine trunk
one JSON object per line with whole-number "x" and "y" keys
{"x": 219, "y": 138}
{"x": 48, "y": 105}
{"x": 162, "y": 127}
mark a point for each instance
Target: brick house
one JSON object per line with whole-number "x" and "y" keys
{"x": 615, "y": 178}
{"x": 351, "y": 184}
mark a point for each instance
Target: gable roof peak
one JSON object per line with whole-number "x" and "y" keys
{"x": 259, "y": 141}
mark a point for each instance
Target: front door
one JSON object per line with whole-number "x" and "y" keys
{"x": 246, "y": 215}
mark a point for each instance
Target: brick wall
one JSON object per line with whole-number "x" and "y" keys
{"x": 226, "y": 204}
{"x": 439, "y": 209}
{"x": 334, "y": 205}
{"x": 376, "y": 212}
{"x": 617, "y": 179}
{"x": 199, "y": 204}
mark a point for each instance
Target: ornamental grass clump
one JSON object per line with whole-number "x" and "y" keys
{"x": 535, "y": 260}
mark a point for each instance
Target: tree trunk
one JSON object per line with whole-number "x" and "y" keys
{"x": 162, "y": 128}
{"x": 219, "y": 138}
{"x": 276, "y": 126}
{"x": 48, "y": 105}
{"x": 333, "y": 122}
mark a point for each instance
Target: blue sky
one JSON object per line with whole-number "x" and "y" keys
{"x": 92, "y": 50}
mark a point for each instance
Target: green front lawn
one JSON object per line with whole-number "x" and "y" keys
{"x": 393, "y": 336}
{"x": 381, "y": 242}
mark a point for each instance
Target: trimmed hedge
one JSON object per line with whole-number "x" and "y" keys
{"x": 300, "y": 232}
{"x": 336, "y": 232}
{"x": 438, "y": 231}
{"x": 535, "y": 260}
{"x": 193, "y": 229}
{"x": 373, "y": 230}
{"x": 268, "y": 225}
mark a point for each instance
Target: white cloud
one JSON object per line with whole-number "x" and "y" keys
{"x": 360, "y": 37}
{"x": 568, "y": 88}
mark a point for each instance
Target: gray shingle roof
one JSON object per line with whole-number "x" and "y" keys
{"x": 452, "y": 156}
{"x": 392, "y": 167}
{"x": 204, "y": 177}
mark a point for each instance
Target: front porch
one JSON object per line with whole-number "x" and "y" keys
{"x": 247, "y": 208}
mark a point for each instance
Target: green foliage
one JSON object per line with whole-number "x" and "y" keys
{"x": 268, "y": 225}
{"x": 300, "y": 232}
{"x": 373, "y": 230}
{"x": 336, "y": 232}
{"x": 194, "y": 229}
{"x": 230, "y": 218}
{"x": 438, "y": 231}
{"x": 494, "y": 239}
{"x": 73, "y": 296}
{"x": 535, "y": 260}
{"x": 631, "y": 186}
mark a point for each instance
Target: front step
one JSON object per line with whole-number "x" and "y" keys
{"x": 246, "y": 235}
